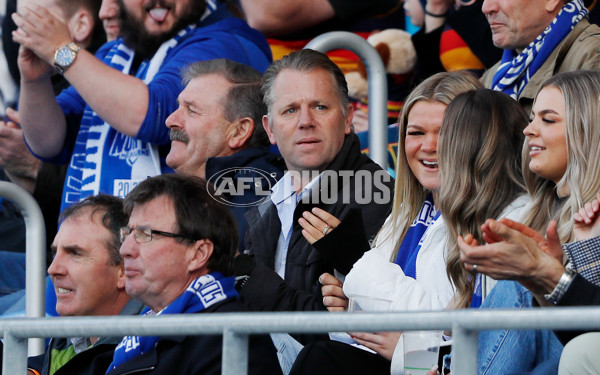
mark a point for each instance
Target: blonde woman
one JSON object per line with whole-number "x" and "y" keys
{"x": 562, "y": 156}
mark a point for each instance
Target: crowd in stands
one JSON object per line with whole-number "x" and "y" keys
{"x": 195, "y": 158}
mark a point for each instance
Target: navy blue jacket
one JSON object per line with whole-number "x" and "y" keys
{"x": 260, "y": 170}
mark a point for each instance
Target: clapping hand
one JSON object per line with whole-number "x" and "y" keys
{"x": 586, "y": 220}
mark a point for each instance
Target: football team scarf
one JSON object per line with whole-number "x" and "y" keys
{"x": 202, "y": 293}
{"x": 411, "y": 244}
{"x": 515, "y": 71}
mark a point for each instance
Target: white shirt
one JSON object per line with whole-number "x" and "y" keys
{"x": 285, "y": 200}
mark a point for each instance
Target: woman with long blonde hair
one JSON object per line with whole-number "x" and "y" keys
{"x": 562, "y": 173}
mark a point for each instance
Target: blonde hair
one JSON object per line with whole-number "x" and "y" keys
{"x": 581, "y": 92}
{"x": 409, "y": 194}
{"x": 480, "y": 170}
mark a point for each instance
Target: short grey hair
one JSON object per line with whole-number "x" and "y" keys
{"x": 304, "y": 60}
{"x": 244, "y": 99}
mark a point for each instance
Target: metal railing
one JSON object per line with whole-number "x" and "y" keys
{"x": 377, "y": 82}
{"x": 35, "y": 254}
{"x": 235, "y": 328}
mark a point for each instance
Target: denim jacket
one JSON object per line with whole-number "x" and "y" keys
{"x": 515, "y": 351}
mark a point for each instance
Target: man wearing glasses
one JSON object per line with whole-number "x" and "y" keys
{"x": 178, "y": 250}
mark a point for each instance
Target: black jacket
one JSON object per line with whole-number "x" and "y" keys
{"x": 201, "y": 355}
{"x": 98, "y": 356}
{"x": 264, "y": 290}
{"x": 580, "y": 293}
{"x": 256, "y": 163}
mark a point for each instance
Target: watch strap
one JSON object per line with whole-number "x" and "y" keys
{"x": 73, "y": 47}
{"x": 561, "y": 288}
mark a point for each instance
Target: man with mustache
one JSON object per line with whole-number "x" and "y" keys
{"x": 540, "y": 38}
{"x": 218, "y": 135}
{"x": 109, "y": 125}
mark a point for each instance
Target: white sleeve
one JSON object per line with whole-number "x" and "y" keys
{"x": 374, "y": 275}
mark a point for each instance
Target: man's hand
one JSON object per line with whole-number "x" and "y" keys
{"x": 40, "y": 31}
{"x": 587, "y": 224}
{"x": 316, "y": 224}
{"x": 383, "y": 343}
{"x": 521, "y": 254}
{"x": 16, "y": 160}
{"x": 32, "y": 68}
{"x": 333, "y": 294}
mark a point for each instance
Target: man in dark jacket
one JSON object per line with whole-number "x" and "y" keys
{"x": 88, "y": 276}
{"x": 178, "y": 250}
{"x": 217, "y": 135}
{"x": 309, "y": 119}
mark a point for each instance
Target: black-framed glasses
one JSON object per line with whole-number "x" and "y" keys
{"x": 144, "y": 234}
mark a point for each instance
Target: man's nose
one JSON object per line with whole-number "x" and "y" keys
{"x": 173, "y": 120}
{"x": 129, "y": 247}
{"x": 305, "y": 118}
{"x": 57, "y": 266}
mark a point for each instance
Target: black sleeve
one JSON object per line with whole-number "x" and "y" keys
{"x": 427, "y": 47}
{"x": 580, "y": 293}
{"x": 36, "y": 362}
{"x": 11, "y": 48}
{"x": 265, "y": 290}
{"x": 350, "y": 9}
{"x": 345, "y": 244}
{"x": 48, "y": 195}
{"x": 472, "y": 26}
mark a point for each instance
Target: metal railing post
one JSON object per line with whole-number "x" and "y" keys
{"x": 377, "y": 81}
{"x": 235, "y": 353}
{"x": 35, "y": 255}
{"x": 464, "y": 348}
{"x": 14, "y": 359}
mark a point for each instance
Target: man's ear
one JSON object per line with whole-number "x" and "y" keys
{"x": 553, "y": 6}
{"x": 239, "y": 132}
{"x": 200, "y": 257}
{"x": 268, "y": 129}
{"x": 81, "y": 25}
{"x": 348, "y": 120}
{"x": 121, "y": 277}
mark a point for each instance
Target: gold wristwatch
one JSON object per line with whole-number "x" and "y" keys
{"x": 64, "y": 56}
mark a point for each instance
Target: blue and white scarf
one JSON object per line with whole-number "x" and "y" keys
{"x": 477, "y": 298}
{"x": 202, "y": 293}
{"x": 413, "y": 240}
{"x": 515, "y": 71}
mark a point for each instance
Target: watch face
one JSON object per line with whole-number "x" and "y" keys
{"x": 64, "y": 57}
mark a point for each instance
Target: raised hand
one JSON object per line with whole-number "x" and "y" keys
{"x": 522, "y": 254}
{"x": 41, "y": 31}
{"x": 15, "y": 158}
{"x": 316, "y": 224}
{"x": 32, "y": 68}
{"x": 586, "y": 223}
